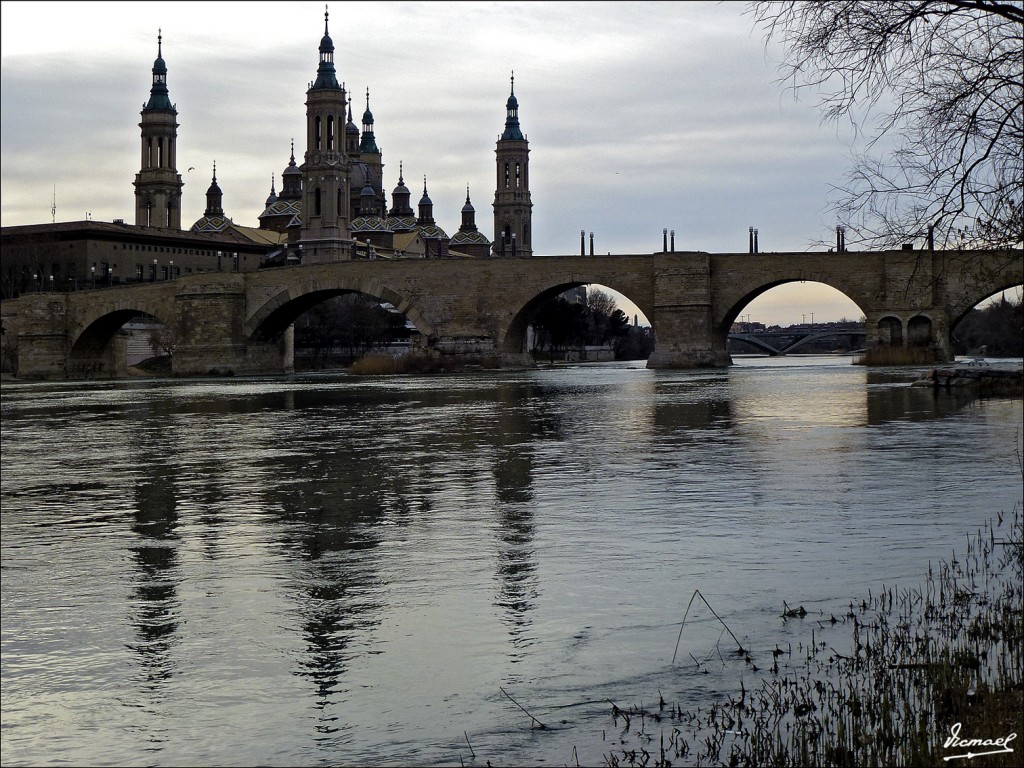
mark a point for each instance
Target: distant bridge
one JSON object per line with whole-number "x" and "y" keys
{"x": 784, "y": 341}
{"x": 479, "y": 309}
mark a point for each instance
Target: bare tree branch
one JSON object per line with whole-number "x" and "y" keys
{"x": 935, "y": 90}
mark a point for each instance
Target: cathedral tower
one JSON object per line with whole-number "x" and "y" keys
{"x": 512, "y": 206}
{"x": 325, "y": 183}
{"x": 158, "y": 184}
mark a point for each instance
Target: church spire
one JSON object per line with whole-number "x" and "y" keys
{"x": 325, "y": 74}
{"x": 468, "y": 215}
{"x": 512, "y": 131}
{"x": 426, "y": 207}
{"x": 214, "y": 197}
{"x": 158, "y": 96}
{"x": 272, "y": 197}
{"x": 158, "y": 183}
{"x": 512, "y": 204}
{"x": 368, "y": 143}
{"x": 326, "y": 197}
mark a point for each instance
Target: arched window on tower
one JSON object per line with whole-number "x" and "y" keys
{"x": 518, "y": 179}
{"x": 506, "y": 176}
{"x": 316, "y": 201}
{"x": 149, "y": 153}
{"x": 341, "y": 200}
{"x": 160, "y": 152}
{"x": 317, "y": 140}
{"x": 330, "y": 133}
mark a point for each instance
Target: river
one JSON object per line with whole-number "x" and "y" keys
{"x": 327, "y": 569}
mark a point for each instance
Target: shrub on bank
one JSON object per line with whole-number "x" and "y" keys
{"x": 897, "y": 356}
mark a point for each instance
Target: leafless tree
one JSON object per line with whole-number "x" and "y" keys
{"x": 600, "y": 302}
{"x": 936, "y": 90}
{"x": 162, "y": 340}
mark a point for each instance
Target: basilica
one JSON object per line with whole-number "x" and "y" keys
{"x": 331, "y": 206}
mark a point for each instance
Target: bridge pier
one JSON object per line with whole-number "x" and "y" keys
{"x": 35, "y": 336}
{"x": 910, "y": 329}
{"x": 684, "y": 335}
{"x": 210, "y": 338}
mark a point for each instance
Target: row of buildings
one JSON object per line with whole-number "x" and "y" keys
{"x": 333, "y": 206}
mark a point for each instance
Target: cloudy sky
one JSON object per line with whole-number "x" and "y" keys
{"x": 640, "y": 116}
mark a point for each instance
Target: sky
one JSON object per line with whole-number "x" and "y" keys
{"x": 641, "y": 116}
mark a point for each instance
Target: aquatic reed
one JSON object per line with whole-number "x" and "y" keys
{"x": 931, "y": 674}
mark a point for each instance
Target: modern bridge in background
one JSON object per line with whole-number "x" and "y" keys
{"x": 787, "y": 340}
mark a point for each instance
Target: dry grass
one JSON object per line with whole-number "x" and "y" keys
{"x": 898, "y": 356}
{"x": 417, "y": 363}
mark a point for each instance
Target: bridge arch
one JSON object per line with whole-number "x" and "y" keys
{"x": 274, "y": 316}
{"x": 732, "y": 308}
{"x": 514, "y": 338}
{"x": 93, "y": 353}
{"x": 962, "y": 308}
{"x": 890, "y": 331}
{"x": 919, "y": 331}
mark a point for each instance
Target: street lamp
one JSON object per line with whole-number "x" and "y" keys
{"x": 93, "y": 275}
{"x": 154, "y": 270}
{"x": 218, "y": 260}
{"x": 235, "y": 256}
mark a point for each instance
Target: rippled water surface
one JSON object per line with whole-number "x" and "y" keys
{"x": 339, "y": 570}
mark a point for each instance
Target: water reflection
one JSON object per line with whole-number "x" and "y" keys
{"x": 155, "y": 596}
{"x": 355, "y": 565}
{"x": 516, "y": 571}
{"x": 891, "y": 398}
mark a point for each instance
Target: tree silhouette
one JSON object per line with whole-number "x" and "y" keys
{"x": 943, "y": 84}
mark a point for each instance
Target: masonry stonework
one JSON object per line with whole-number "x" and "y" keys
{"x": 238, "y": 323}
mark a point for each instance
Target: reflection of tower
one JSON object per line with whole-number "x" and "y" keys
{"x": 335, "y": 579}
{"x": 325, "y": 182}
{"x": 512, "y": 206}
{"x": 156, "y": 590}
{"x": 513, "y": 470}
{"x": 158, "y": 184}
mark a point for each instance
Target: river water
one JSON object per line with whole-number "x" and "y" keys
{"x": 328, "y": 569}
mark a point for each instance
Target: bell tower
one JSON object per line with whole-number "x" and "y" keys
{"x": 158, "y": 184}
{"x": 325, "y": 184}
{"x": 512, "y": 206}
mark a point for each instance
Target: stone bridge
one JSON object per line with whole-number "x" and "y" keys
{"x": 479, "y": 309}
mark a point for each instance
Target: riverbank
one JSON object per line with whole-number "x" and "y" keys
{"x": 978, "y": 376}
{"x": 925, "y": 675}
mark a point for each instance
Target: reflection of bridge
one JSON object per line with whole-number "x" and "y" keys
{"x": 787, "y": 340}
{"x": 479, "y": 309}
